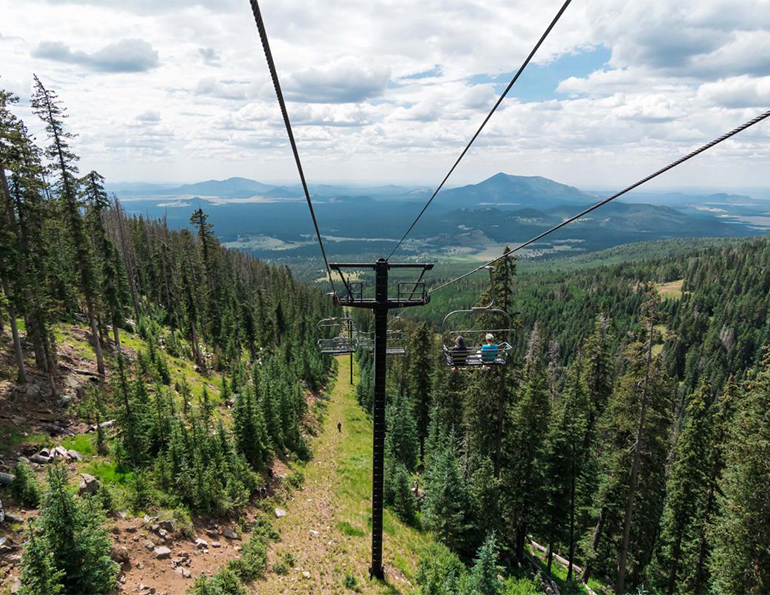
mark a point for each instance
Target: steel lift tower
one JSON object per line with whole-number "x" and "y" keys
{"x": 409, "y": 294}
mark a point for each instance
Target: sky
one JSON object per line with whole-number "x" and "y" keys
{"x": 391, "y": 90}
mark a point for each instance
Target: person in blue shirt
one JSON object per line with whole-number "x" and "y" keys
{"x": 489, "y": 350}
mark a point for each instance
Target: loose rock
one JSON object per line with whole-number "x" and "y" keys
{"x": 89, "y": 484}
{"x": 7, "y": 479}
{"x": 280, "y": 512}
{"x": 201, "y": 543}
{"x": 162, "y": 553}
{"x": 120, "y": 554}
{"x": 230, "y": 533}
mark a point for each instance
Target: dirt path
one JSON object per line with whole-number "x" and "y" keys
{"x": 327, "y": 528}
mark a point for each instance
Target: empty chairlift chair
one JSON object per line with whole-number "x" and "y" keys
{"x": 336, "y": 336}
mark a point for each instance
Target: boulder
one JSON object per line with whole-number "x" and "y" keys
{"x": 89, "y": 484}
{"x": 162, "y": 553}
{"x": 167, "y": 525}
{"x": 201, "y": 544}
{"x": 13, "y": 518}
{"x": 183, "y": 571}
{"x": 230, "y": 533}
{"x": 279, "y": 513}
{"x": 120, "y": 554}
{"x": 149, "y": 545}
{"x": 6, "y": 479}
{"x": 40, "y": 459}
{"x": 60, "y": 453}
{"x": 215, "y": 544}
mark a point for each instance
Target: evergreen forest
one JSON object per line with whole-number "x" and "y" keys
{"x": 623, "y": 448}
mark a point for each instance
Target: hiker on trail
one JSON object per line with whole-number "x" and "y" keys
{"x": 339, "y": 427}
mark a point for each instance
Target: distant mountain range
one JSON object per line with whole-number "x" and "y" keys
{"x": 466, "y": 221}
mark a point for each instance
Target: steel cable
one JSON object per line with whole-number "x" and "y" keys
{"x": 287, "y": 122}
{"x": 484, "y": 123}
{"x": 663, "y": 170}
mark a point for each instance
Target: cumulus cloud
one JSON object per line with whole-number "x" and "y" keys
{"x": 737, "y": 92}
{"x": 210, "y": 56}
{"x": 391, "y": 86}
{"x": 127, "y": 55}
{"x": 150, "y": 116}
{"x": 346, "y": 80}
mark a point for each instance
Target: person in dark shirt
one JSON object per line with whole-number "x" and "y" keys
{"x": 339, "y": 427}
{"x": 459, "y": 352}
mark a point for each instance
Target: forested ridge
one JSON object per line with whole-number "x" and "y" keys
{"x": 628, "y": 433}
{"x": 242, "y": 332}
{"x": 628, "y": 436}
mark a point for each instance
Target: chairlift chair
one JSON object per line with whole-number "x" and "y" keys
{"x": 336, "y": 336}
{"x": 396, "y": 344}
{"x": 469, "y": 324}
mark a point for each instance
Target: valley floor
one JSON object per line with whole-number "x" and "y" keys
{"x": 327, "y": 528}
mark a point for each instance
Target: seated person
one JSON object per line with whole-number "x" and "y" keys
{"x": 459, "y": 352}
{"x": 489, "y": 350}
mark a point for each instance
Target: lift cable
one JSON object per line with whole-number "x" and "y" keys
{"x": 287, "y": 122}
{"x": 538, "y": 237}
{"x": 484, "y": 123}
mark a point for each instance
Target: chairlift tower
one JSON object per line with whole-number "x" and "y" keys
{"x": 409, "y": 294}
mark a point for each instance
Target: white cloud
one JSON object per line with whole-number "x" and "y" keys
{"x": 127, "y": 55}
{"x": 384, "y": 88}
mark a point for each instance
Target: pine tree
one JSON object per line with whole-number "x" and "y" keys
{"x": 420, "y": 366}
{"x": 564, "y": 466}
{"x": 446, "y": 507}
{"x": 111, "y": 269}
{"x": 483, "y": 578}
{"x": 740, "y": 560}
{"x": 402, "y": 432}
{"x": 72, "y": 539}
{"x": 525, "y": 448}
{"x": 39, "y": 575}
{"x": 10, "y": 259}
{"x": 686, "y": 496}
{"x": 47, "y": 106}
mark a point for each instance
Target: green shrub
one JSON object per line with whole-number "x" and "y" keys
{"x": 253, "y": 560}
{"x": 521, "y": 586}
{"x": 296, "y": 479}
{"x": 280, "y": 568}
{"x": 349, "y": 529}
{"x": 25, "y": 488}
{"x": 440, "y": 571}
{"x": 350, "y": 582}
{"x": 224, "y": 582}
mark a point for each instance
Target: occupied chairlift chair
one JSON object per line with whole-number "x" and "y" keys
{"x": 461, "y": 323}
{"x": 336, "y": 336}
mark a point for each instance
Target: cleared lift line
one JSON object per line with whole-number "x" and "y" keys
{"x": 287, "y": 122}
{"x": 484, "y": 123}
{"x": 566, "y": 222}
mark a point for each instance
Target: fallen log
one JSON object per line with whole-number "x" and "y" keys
{"x": 80, "y": 371}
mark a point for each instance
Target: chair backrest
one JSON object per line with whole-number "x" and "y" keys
{"x": 459, "y": 357}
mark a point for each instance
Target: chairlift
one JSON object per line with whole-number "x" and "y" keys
{"x": 396, "y": 343}
{"x": 336, "y": 336}
{"x": 464, "y": 337}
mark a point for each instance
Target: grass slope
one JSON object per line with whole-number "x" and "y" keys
{"x": 336, "y": 502}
